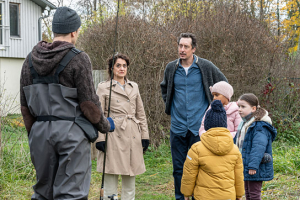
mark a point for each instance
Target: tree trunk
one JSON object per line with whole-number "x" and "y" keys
{"x": 252, "y": 7}
{"x": 101, "y": 12}
{"x": 95, "y": 5}
{"x": 278, "y": 19}
{"x": 261, "y": 12}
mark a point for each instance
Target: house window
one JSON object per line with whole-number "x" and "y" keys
{"x": 1, "y": 24}
{"x": 14, "y": 16}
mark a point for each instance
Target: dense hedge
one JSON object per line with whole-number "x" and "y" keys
{"x": 242, "y": 47}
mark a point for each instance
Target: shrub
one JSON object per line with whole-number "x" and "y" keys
{"x": 240, "y": 45}
{"x": 281, "y": 98}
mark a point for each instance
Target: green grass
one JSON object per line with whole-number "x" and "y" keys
{"x": 158, "y": 176}
{"x": 282, "y": 187}
{"x": 155, "y": 183}
{"x": 17, "y": 175}
{"x": 286, "y": 160}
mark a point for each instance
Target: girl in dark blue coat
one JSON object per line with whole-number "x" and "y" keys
{"x": 254, "y": 138}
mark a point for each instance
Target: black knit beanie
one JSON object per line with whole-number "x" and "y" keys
{"x": 216, "y": 116}
{"x": 65, "y": 20}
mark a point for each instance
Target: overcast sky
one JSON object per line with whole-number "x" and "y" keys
{"x": 65, "y": 2}
{"x": 74, "y": 4}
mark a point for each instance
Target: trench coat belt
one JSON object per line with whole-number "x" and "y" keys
{"x": 130, "y": 117}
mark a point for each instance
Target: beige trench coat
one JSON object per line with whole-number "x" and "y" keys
{"x": 124, "y": 147}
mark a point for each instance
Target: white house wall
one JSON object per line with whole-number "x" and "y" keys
{"x": 10, "y": 84}
{"x": 19, "y": 47}
{"x": 14, "y": 52}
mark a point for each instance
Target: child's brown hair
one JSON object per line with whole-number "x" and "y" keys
{"x": 252, "y": 100}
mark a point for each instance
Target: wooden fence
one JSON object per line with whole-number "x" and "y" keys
{"x": 98, "y": 76}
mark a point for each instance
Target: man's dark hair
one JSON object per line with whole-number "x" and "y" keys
{"x": 115, "y": 57}
{"x": 188, "y": 35}
{"x": 60, "y": 34}
{"x": 63, "y": 34}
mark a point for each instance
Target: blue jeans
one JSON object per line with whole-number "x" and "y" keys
{"x": 179, "y": 148}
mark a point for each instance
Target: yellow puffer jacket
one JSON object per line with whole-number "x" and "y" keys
{"x": 213, "y": 168}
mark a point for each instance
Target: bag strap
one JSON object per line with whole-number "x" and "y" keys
{"x": 52, "y": 78}
{"x": 32, "y": 70}
{"x": 65, "y": 61}
{"x": 54, "y": 118}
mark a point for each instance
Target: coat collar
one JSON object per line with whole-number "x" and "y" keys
{"x": 117, "y": 89}
{"x": 178, "y": 61}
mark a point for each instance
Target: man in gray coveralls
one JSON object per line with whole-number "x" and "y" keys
{"x": 59, "y": 104}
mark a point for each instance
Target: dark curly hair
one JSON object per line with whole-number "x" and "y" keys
{"x": 113, "y": 59}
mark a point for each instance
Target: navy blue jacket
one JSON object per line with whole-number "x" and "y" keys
{"x": 258, "y": 140}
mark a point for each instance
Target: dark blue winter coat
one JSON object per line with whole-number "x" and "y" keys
{"x": 258, "y": 140}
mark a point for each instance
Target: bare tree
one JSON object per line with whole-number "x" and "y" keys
{"x": 238, "y": 43}
{"x": 60, "y": 3}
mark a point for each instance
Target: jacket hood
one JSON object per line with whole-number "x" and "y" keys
{"x": 231, "y": 107}
{"x": 267, "y": 123}
{"x": 266, "y": 118}
{"x": 272, "y": 130}
{"x": 217, "y": 140}
{"x": 46, "y": 56}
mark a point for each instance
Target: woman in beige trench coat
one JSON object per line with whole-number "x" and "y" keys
{"x": 125, "y": 146}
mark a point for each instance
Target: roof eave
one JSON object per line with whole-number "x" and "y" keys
{"x": 44, "y": 3}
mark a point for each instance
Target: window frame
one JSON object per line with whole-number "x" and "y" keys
{"x": 1, "y": 25}
{"x": 18, "y": 21}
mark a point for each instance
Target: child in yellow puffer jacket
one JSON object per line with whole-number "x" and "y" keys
{"x": 214, "y": 168}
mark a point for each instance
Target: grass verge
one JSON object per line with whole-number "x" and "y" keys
{"x": 17, "y": 174}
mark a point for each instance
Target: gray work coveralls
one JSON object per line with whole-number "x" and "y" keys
{"x": 59, "y": 149}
